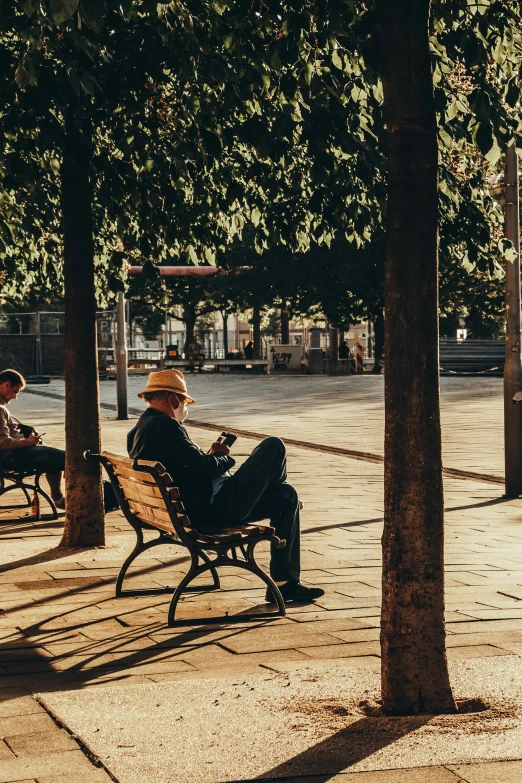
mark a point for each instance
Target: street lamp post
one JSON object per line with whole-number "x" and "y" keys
{"x": 513, "y": 365}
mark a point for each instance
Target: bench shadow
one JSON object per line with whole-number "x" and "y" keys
{"x": 340, "y": 751}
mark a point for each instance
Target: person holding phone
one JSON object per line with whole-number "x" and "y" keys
{"x": 214, "y": 497}
{"x": 21, "y": 446}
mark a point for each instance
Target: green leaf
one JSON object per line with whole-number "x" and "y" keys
{"x": 93, "y": 13}
{"x": 494, "y": 154}
{"x": 309, "y": 72}
{"x": 61, "y": 10}
{"x": 22, "y": 76}
{"x": 229, "y": 40}
{"x": 219, "y": 7}
{"x": 337, "y": 60}
{"x": 513, "y": 94}
{"x": 255, "y": 216}
{"x": 72, "y": 77}
{"x": 484, "y": 137}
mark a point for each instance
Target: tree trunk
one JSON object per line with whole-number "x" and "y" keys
{"x": 225, "y": 332}
{"x": 414, "y": 666}
{"x": 378, "y": 343}
{"x": 285, "y": 327}
{"x": 84, "y": 520}
{"x": 189, "y": 321}
{"x": 333, "y": 347}
{"x": 256, "y": 324}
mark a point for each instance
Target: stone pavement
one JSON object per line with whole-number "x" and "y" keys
{"x": 61, "y": 628}
{"x": 345, "y": 411}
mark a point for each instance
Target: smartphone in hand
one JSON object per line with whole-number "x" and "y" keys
{"x": 227, "y": 439}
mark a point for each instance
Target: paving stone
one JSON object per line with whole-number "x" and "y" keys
{"x": 44, "y": 767}
{"x": 26, "y": 724}
{"x": 21, "y": 705}
{"x": 5, "y": 751}
{"x": 343, "y": 650}
{"x": 497, "y": 772}
{"x": 475, "y": 651}
{"x": 281, "y": 638}
{"x": 56, "y": 741}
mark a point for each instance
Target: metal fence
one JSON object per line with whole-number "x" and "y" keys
{"x": 34, "y": 343}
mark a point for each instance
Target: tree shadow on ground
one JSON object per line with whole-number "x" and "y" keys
{"x": 47, "y": 556}
{"x": 342, "y": 750}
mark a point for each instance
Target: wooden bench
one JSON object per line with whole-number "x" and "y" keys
{"x": 150, "y": 501}
{"x": 19, "y": 480}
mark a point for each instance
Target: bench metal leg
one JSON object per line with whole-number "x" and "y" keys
{"x": 215, "y": 577}
{"x": 250, "y": 565}
{"x": 142, "y": 546}
{"x": 19, "y": 483}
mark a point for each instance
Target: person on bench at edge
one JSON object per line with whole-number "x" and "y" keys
{"x": 213, "y": 497}
{"x": 21, "y": 447}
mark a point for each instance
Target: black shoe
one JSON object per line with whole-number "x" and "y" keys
{"x": 295, "y": 591}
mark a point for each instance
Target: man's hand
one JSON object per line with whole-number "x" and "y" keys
{"x": 32, "y": 440}
{"x": 219, "y": 447}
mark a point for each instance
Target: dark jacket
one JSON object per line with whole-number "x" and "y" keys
{"x": 158, "y": 437}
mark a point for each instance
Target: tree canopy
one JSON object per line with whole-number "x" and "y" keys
{"x": 210, "y": 117}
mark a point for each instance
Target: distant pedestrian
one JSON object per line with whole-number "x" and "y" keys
{"x": 195, "y": 354}
{"x": 249, "y": 350}
{"x": 344, "y": 350}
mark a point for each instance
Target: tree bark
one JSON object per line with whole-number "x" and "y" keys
{"x": 378, "y": 343}
{"x": 256, "y": 324}
{"x": 414, "y": 666}
{"x": 84, "y": 520}
{"x": 285, "y": 327}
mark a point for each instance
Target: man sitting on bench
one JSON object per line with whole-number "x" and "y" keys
{"x": 21, "y": 448}
{"x": 213, "y": 497}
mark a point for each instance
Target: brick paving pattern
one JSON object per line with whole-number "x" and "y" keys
{"x": 61, "y": 627}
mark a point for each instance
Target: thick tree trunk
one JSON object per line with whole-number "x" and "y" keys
{"x": 285, "y": 327}
{"x": 84, "y": 520}
{"x": 378, "y": 343}
{"x": 256, "y": 324}
{"x": 414, "y": 666}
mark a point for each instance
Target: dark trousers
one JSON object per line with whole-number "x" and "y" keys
{"x": 40, "y": 459}
{"x": 48, "y": 459}
{"x": 258, "y": 490}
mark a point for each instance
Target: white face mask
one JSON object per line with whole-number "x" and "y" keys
{"x": 181, "y": 412}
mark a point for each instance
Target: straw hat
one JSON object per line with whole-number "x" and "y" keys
{"x": 167, "y": 380}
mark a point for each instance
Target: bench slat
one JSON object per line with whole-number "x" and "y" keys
{"x": 153, "y": 516}
{"x": 151, "y": 512}
{"x": 117, "y": 459}
{"x": 136, "y": 494}
{"x": 147, "y": 490}
{"x": 137, "y": 475}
